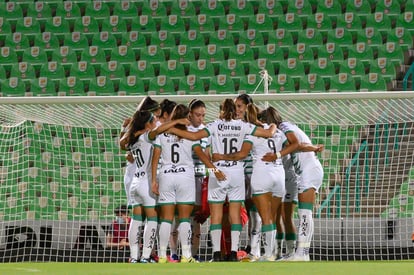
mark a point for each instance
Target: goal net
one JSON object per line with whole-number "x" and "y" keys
{"x": 61, "y": 173}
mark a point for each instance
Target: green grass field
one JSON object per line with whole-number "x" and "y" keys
{"x": 337, "y": 268}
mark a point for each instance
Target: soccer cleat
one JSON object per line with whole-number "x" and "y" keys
{"x": 216, "y": 257}
{"x": 163, "y": 260}
{"x": 173, "y": 258}
{"x": 188, "y": 260}
{"x": 133, "y": 261}
{"x": 197, "y": 258}
{"x": 267, "y": 259}
{"x": 296, "y": 258}
{"x": 279, "y": 254}
{"x": 147, "y": 261}
{"x": 233, "y": 256}
{"x": 250, "y": 258}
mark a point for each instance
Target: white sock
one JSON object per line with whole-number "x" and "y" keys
{"x": 133, "y": 237}
{"x": 305, "y": 232}
{"x": 164, "y": 235}
{"x": 195, "y": 241}
{"x": 184, "y": 234}
{"x": 173, "y": 242}
{"x": 290, "y": 246}
{"x": 150, "y": 237}
{"x": 255, "y": 234}
{"x": 269, "y": 234}
{"x": 235, "y": 236}
{"x": 215, "y": 233}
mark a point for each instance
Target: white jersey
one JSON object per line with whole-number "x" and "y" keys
{"x": 142, "y": 152}
{"x": 176, "y": 153}
{"x": 227, "y": 137}
{"x": 261, "y": 146}
{"x": 300, "y": 160}
{"x": 199, "y": 167}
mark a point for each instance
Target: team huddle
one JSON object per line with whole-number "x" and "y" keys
{"x": 250, "y": 160}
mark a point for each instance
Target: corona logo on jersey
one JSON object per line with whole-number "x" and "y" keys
{"x": 223, "y": 127}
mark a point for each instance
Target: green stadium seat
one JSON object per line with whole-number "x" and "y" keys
{"x": 232, "y": 23}
{"x": 161, "y": 85}
{"x": 241, "y": 52}
{"x": 40, "y": 11}
{"x": 292, "y": 23}
{"x": 202, "y": 23}
{"x": 42, "y": 86}
{"x": 183, "y": 8}
{"x": 134, "y": 40}
{"x": 58, "y": 26}
{"x": 71, "y": 86}
{"x": 183, "y": 54}
{"x": 173, "y": 69}
{"x": 65, "y": 56}
{"x": 407, "y": 188}
{"x": 311, "y": 37}
{"x": 349, "y": 21}
{"x": 301, "y": 8}
{"x": 44, "y": 207}
{"x": 48, "y": 41}
{"x": 233, "y": 68}
{"x": 393, "y": 52}
{"x": 52, "y": 70}
{"x": 131, "y": 85}
{"x": 28, "y": 26}
{"x": 163, "y": 39}
{"x": 2, "y": 73}
{"x": 390, "y": 8}
{"x": 384, "y": 68}
{"x": 373, "y": 82}
{"x": 124, "y": 55}
{"x": 362, "y": 52}
{"x": 361, "y": 8}
{"x": 249, "y": 83}
{"x": 320, "y": 22}
{"x": 191, "y": 85}
{"x": 11, "y": 12}
{"x": 371, "y": 37}
{"x": 323, "y": 67}
{"x": 379, "y": 21}
{"x": 243, "y": 9}
{"x": 36, "y": 56}
{"x": 87, "y": 25}
{"x": 155, "y": 9}
{"x": 341, "y": 37}
{"x": 23, "y": 70}
{"x": 294, "y": 68}
{"x": 83, "y": 71}
{"x": 283, "y": 84}
{"x": 77, "y": 41}
{"x": 281, "y": 38}
{"x": 144, "y": 24}
{"x": 342, "y": 83}
{"x": 212, "y": 9}
{"x": 95, "y": 56}
{"x": 402, "y": 37}
{"x": 331, "y": 52}
{"x": 312, "y": 83}
{"x": 260, "y": 22}
{"x": 252, "y": 38}
{"x": 330, "y": 9}
{"x": 18, "y": 42}
{"x": 144, "y": 70}
{"x": 353, "y": 67}
{"x": 74, "y": 208}
{"x": 114, "y": 25}
{"x": 173, "y": 24}
{"x": 126, "y": 10}
{"x": 69, "y": 11}
{"x": 5, "y": 29}
{"x": 105, "y": 41}
{"x": 99, "y": 10}
{"x": 13, "y": 87}
{"x": 213, "y": 54}
{"x": 101, "y": 85}
{"x": 303, "y": 54}
{"x": 221, "y": 84}
{"x": 272, "y": 9}
{"x": 203, "y": 69}
{"x": 194, "y": 39}
{"x": 406, "y": 21}
{"x": 223, "y": 39}
{"x": 273, "y": 54}
{"x": 154, "y": 55}
{"x": 114, "y": 71}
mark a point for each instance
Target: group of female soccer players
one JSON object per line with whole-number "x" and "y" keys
{"x": 250, "y": 155}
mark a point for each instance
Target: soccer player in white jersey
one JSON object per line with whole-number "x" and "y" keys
{"x": 196, "y": 117}
{"x": 227, "y": 135}
{"x": 267, "y": 181}
{"x": 141, "y": 131}
{"x": 310, "y": 175}
{"x": 255, "y": 223}
{"x": 176, "y": 187}
{"x": 147, "y": 104}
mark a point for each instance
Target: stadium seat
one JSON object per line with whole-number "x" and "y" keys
{"x": 183, "y": 54}
{"x": 202, "y": 23}
{"x": 69, "y": 11}
{"x": 5, "y": 29}
{"x": 402, "y": 37}
{"x": 11, "y": 12}
{"x": 243, "y": 9}
{"x": 341, "y": 37}
{"x": 241, "y": 52}
{"x": 283, "y": 84}
{"x": 406, "y": 21}
{"x": 292, "y": 23}
{"x": 252, "y": 38}
{"x": 95, "y": 56}
{"x": 124, "y": 55}
{"x": 272, "y": 53}
{"x": 312, "y": 83}
{"x": 131, "y": 85}
{"x": 350, "y": 22}
{"x": 2, "y": 73}
{"x": 194, "y": 39}
{"x": 13, "y": 87}
{"x": 221, "y": 84}
{"x": 361, "y": 8}
{"x": 281, "y": 38}
{"x": 161, "y": 85}
{"x": 213, "y": 9}
{"x": 223, "y": 39}
{"x": 212, "y": 53}
{"x": 203, "y": 69}
{"x": 40, "y": 11}
{"x": 354, "y": 68}
{"x": 258, "y": 65}
{"x": 163, "y": 39}
{"x": 191, "y": 85}
{"x": 101, "y": 85}
{"x": 249, "y": 84}
{"x": 331, "y": 52}
{"x": 114, "y": 25}
{"x": 272, "y": 9}
{"x": 48, "y": 41}
{"x": 125, "y": 10}
{"x": 86, "y": 25}
{"x": 260, "y": 22}
{"x": 173, "y": 69}
{"x": 233, "y": 68}
{"x": 342, "y": 83}
{"x": 105, "y": 41}
{"x": 35, "y": 56}
{"x": 373, "y": 82}
{"x": 18, "y": 42}
{"x": 144, "y": 24}
{"x": 77, "y": 41}
{"x": 173, "y": 24}
{"x": 154, "y": 55}
{"x": 71, "y": 86}
{"x": 294, "y": 68}
{"x": 302, "y": 8}
{"x": 371, "y": 37}
{"x": 311, "y": 37}
{"x": 144, "y": 70}
{"x": 154, "y": 9}
{"x": 83, "y": 71}
{"x": 330, "y": 9}
{"x": 323, "y": 67}
{"x": 99, "y": 10}
{"x": 391, "y": 8}
{"x": 52, "y": 70}
{"x": 385, "y": 68}
{"x": 302, "y": 53}
{"x": 28, "y": 26}
{"x": 183, "y": 8}
{"x": 23, "y": 70}
{"x": 320, "y": 22}
{"x": 66, "y": 56}
{"x": 379, "y": 21}
{"x": 393, "y": 52}
{"x": 134, "y": 40}
{"x": 232, "y": 23}
{"x": 58, "y": 26}
{"x": 42, "y": 86}
{"x": 114, "y": 71}
{"x": 362, "y": 52}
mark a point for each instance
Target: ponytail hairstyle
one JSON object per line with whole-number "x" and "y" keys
{"x": 245, "y": 98}
{"x": 148, "y": 104}
{"x": 167, "y": 106}
{"x": 252, "y": 115}
{"x": 196, "y": 103}
{"x": 138, "y": 122}
{"x": 180, "y": 111}
{"x": 228, "y": 109}
{"x": 270, "y": 115}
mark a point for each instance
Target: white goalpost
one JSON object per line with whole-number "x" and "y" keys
{"x": 61, "y": 173}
